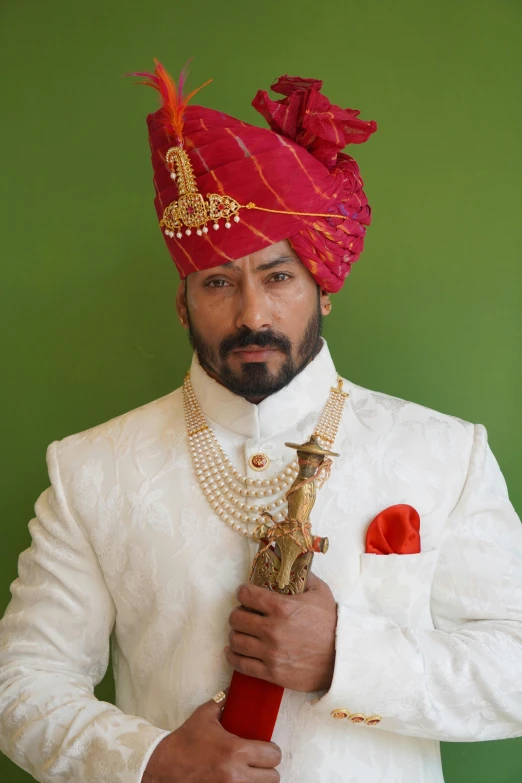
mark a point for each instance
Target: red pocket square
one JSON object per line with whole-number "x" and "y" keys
{"x": 394, "y": 531}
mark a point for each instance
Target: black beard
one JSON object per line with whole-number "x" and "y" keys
{"x": 255, "y": 380}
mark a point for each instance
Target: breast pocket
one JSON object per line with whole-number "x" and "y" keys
{"x": 398, "y": 586}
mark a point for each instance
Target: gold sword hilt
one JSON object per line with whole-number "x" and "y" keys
{"x": 286, "y": 548}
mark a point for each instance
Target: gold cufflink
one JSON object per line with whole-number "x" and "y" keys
{"x": 340, "y": 714}
{"x": 358, "y": 718}
{"x": 373, "y": 721}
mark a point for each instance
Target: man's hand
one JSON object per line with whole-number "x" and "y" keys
{"x": 201, "y": 751}
{"x": 292, "y": 643}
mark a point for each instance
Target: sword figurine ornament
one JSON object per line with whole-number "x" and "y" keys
{"x": 286, "y": 549}
{"x": 282, "y": 564}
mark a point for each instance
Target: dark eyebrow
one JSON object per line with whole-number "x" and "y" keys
{"x": 262, "y": 267}
{"x": 273, "y": 264}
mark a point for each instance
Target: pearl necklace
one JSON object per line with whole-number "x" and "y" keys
{"x": 229, "y": 493}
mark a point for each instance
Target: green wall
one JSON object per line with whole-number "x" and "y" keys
{"x": 431, "y": 312}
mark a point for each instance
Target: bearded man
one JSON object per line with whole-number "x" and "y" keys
{"x": 410, "y": 628}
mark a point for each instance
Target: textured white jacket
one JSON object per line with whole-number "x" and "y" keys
{"x": 124, "y": 543}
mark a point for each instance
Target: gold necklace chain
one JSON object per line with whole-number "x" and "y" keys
{"x": 239, "y": 500}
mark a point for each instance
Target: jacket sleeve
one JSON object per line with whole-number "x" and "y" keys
{"x": 54, "y": 648}
{"x": 461, "y": 680}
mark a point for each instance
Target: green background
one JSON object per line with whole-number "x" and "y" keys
{"x": 431, "y": 312}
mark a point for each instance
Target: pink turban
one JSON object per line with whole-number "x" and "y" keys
{"x": 291, "y": 182}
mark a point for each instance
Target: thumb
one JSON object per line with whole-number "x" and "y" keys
{"x": 211, "y": 710}
{"x": 313, "y": 584}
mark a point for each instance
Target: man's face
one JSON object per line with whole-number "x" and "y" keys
{"x": 255, "y": 323}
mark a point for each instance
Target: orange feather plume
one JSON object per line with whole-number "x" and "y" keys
{"x": 173, "y": 101}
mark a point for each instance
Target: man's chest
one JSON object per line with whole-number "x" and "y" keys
{"x": 166, "y": 553}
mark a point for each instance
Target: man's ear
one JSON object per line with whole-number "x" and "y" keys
{"x": 181, "y": 303}
{"x": 324, "y": 300}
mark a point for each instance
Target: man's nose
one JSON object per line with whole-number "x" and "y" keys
{"x": 253, "y": 311}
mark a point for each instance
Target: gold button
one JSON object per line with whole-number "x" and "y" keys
{"x": 373, "y": 721}
{"x": 340, "y": 714}
{"x": 357, "y": 718}
{"x": 259, "y": 461}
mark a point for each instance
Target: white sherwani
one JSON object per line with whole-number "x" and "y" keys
{"x": 124, "y": 542}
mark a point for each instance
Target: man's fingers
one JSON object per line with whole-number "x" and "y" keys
{"x": 211, "y": 710}
{"x": 243, "y": 644}
{"x": 260, "y": 599}
{"x": 263, "y": 775}
{"x": 251, "y": 666}
{"x": 264, "y": 755}
{"x": 246, "y": 622}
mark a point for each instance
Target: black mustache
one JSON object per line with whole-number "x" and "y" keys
{"x": 246, "y": 338}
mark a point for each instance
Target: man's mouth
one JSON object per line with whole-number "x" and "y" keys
{"x": 254, "y": 353}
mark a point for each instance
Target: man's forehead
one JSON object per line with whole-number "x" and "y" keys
{"x": 273, "y": 255}
{"x": 258, "y": 265}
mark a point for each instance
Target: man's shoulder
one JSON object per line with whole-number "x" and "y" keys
{"x": 146, "y": 422}
{"x": 385, "y": 409}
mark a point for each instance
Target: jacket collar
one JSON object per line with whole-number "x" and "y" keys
{"x": 305, "y": 394}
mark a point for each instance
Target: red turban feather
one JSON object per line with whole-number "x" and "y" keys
{"x": 297, "y": 169}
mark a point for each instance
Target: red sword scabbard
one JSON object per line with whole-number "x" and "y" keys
{"x": 282, "y": 564}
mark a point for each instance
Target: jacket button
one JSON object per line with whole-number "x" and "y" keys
{"x": 373, "y": 721}
{"x": 357, "y": 718}
{"x": 340, "y": 714}
{"x": 259, "y": 461}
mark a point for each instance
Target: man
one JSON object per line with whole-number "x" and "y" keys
{"x": 147, "y": 529}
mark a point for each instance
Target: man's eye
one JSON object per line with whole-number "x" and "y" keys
{"x": 216, "y": 283}
{"x": 280, "y": 277}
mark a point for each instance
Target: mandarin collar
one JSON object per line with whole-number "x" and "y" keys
{"x": 306, "y": 393}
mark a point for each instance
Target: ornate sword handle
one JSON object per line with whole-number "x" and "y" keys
{"x": 286, "y": 549}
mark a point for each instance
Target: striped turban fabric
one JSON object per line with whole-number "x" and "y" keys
{"x": 297, "y": 166}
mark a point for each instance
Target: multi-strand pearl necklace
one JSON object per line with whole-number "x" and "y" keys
{"x": 239, "y": 500}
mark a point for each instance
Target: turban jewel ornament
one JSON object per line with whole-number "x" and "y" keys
{"x": 213, "y": 173}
